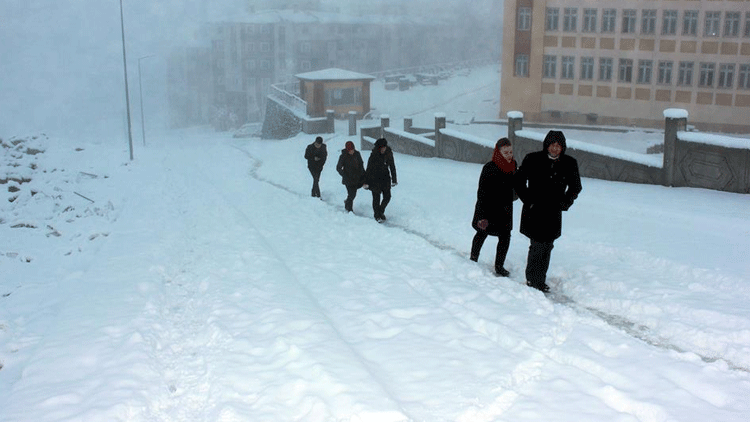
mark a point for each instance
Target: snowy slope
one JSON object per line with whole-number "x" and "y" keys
{"x": 204, "y": 284}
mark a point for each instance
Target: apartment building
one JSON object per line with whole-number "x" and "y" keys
{"x": 249, "y": 52}
{"x": 623, "y": 62}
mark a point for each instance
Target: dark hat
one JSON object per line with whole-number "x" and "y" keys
{"x": 318, "y": 140}
{"x": 552, "y": 137}
{"x": 349, "y": 145}
{"x": 380, "y": 143}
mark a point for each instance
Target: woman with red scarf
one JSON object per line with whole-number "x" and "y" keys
{"x": 493, "y": 214}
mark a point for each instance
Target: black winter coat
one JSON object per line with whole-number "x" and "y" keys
{"x": 495, "y": 198}
{"x": 377, "y": 175}
{"x": 311, "y": 152}
{"x": 351, "y": 168}
{"x": 547, "y": 187}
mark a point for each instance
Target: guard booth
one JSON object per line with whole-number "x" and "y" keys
{"x": 335, "y": 89}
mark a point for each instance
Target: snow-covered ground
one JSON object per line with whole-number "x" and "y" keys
{"x": 200, "y": 282}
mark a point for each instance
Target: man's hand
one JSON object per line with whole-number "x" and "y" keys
{"x": 482, "y": 224}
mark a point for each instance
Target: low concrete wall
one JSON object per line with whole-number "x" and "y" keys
{"x": 593, "y": 161}
{"x": 283, "y": 122}
{"x": 711, "y": 162}
{"x": 399, "y": 140}
{"x": 690, "y": 159}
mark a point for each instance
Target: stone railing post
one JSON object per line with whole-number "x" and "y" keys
{"x": 408, "y": 123}
{"x": 330, "y": 119}
{"x": 385, "y": 121}
{"x": 439, "y": 124}
{"x": 352, "y": 123}
{"x": 515, "y": 123}
{"x": 675, "y": 120}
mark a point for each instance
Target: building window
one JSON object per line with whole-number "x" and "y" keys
{"x": 628, "y": 21}
{"x": 305, "y": 65}
{"x": 550, "y": 67}
{"x": 706, "y": 79}
{"x": 522, "y": 66}
{"x": 665, "y": 73}
{"x": 645, "y": 69}
{"x": 685, "y": 74}
{"x": 713, "y": 20}
{"x": 265, "y": 64}
{"x": 747, "y": 25}
{"x": 305, "y": 47}
{"x": 567, "y": 70}
{"x": 524, "y": 19}
{"x": 605, "y": 69}
{"x": 343, "y": 96}
{"x": 589, "y": 20}
{"x": 265, "y": 47}
{"x": 726, "y": 76}
{"x": 690, "y": 23}
{"x": 626, "y": 70}
{"x": 570, "y": 19}
{"x": 552, "y": 19}
{"x": 743, "y": 80}
{"x": 609, "y": 20}
{"x": 669, "y": 22}
{"x": 731, "y": 24}
{"x": 587, "y": 68}
{"x": 648, "y": 21}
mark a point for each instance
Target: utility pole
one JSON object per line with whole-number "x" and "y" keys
{"x": 127, "y": 95}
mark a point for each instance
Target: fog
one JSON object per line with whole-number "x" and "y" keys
{"x": 61, "y": 63}
{"x": 62, "y": 66}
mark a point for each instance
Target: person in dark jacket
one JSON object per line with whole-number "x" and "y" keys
{"x": 352, "y": 171}
{"x": 316, "y": 155}
{"x": 493, "y": 213}
{"x": 548, "y": 183}
{"x": 380, "y": 177}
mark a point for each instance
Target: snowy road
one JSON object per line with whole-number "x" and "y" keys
{"x": 204, "y": 284}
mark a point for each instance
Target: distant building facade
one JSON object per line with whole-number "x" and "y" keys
{"x": 246, "y": 54}
{"x": 624, "y": 62}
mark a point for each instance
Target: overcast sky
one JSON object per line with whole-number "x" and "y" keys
{"x": 61, "y": 69}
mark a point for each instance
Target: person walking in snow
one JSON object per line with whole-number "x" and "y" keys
{"x": 493, "y": 213}
{"x": 352, "y": 171}
{"x": 380, "y": 177}
{"x": 548, "y": 183}
{"x": 316, "y": 155}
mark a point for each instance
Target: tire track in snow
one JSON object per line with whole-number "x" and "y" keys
{"x": 302, "y": 287}
{"x": 636, "y": 330}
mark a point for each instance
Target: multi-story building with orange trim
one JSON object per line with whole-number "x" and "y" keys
{"x": 622, "y": 62}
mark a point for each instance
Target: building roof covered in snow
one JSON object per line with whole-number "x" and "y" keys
{"x": 333, "y": 74}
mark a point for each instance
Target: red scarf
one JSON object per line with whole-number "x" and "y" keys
{"x": 504, "y": 165}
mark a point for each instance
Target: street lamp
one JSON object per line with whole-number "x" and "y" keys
{"x": 140, "y": 91}
{"x": 127, "y": 96}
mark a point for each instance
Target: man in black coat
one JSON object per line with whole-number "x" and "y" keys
{"x": 547, "y": 182}
{"x": 380, "y": 176}
{"x": 316, "y": 155}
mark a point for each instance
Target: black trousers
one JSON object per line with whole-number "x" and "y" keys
{"x": 351, "y": 193}
{"x": 378, "y": 206}
{"x": 316, "y": 178}
{"x": 503, "y": 244}
{"x": 537, "y": 263}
